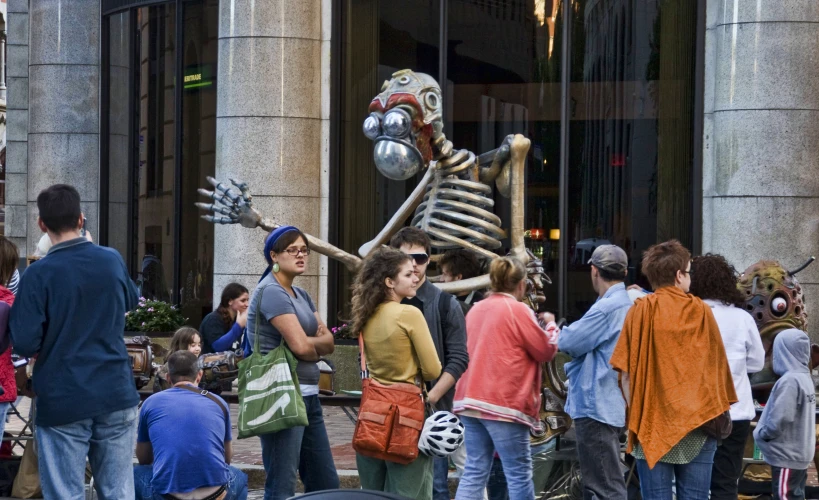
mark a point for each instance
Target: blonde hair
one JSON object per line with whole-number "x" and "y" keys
{"x": 506, "y": 273}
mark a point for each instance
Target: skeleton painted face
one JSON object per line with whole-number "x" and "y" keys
{"x": 403, "y": 120}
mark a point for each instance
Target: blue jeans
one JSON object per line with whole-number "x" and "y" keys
{"x": 108, "y": 442}
{"x": 236, "y": 487}
{"x": 4, "y": 409}
{"x": 483, "y": 438}
{"x": 440, "y": 479}
{"x": 693, "y": 480}
{"x": 302, "y": 450}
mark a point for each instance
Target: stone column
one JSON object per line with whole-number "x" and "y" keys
{"x": 3, "y": 65}
{"x": 17, "y": 125}
{"x": 761, "y": 153}
{"x": 64, "y": 74}
{"x": 272, "y": 129}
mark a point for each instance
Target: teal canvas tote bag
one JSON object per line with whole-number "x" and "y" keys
{"x": 269, "y": 394}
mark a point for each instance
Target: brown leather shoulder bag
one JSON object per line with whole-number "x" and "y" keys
{"x": 390, "y": 418}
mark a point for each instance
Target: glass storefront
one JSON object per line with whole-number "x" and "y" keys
{"x": 629, "y": 119}
{"x": 160, "y": 146}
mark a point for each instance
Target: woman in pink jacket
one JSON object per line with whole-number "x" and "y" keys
{"x": 498, "y": 397}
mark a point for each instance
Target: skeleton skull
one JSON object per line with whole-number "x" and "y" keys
{"x": 404, "y": 119}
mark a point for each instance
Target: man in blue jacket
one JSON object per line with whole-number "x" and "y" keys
{"x": 70, "y": 313}
{"x": 594, "y": 400}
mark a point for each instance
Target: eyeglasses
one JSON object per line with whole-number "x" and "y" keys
{"x": 689, "y": 272}
{"x": 296, "y": 251}
{"x": 419, "y": 258}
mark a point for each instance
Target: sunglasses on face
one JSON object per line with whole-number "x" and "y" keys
{"x": 293, "y": 251}
{"x": 419, "y": 258}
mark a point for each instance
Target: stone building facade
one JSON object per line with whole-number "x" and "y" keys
{"x": 682, "y": 119}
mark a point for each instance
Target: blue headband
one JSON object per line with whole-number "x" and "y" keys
{"x": 270, "y": 241}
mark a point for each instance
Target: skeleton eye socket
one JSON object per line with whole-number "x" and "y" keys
{"x": 397, "y": 123}
{"x": 372, "y": 127}
{"x": 432, "y": 100}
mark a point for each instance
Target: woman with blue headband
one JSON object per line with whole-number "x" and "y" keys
{"x": 278, "y": 309}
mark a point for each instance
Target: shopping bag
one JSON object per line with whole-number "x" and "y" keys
{"x": 27, "y": 482}
{"x": 269, "y": 394}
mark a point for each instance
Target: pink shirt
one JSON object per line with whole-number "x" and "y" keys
{"x": 506, "y": 348}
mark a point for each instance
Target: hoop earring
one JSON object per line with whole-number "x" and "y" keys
{"x": 276, "y": 267}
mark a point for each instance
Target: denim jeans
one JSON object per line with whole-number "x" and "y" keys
{"x": 598, "y": 451}
{"x": 440, "y": 479}
{"x": 692, "y": 479}
{"x": 4, "y": 408}
{"x": 108, "y": 442}
{"x": 302, "y": 450}
{"x": 236, "y": 487}
{"x": 483, "y": 438}
{"x": 496, "y": 488}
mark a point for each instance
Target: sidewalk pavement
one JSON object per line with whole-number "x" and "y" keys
{"x": 247, "y": 453}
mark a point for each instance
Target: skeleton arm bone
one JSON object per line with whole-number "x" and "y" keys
{"x": 403, "y": 213}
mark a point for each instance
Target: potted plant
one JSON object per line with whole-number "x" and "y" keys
{"x": 344, "y": 335}
{"x": 155, "y": 317}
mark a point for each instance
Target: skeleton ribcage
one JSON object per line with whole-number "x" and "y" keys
{"x": 457, "y": 213}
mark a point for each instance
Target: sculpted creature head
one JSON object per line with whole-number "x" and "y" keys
{"x": 405, "y": 121}
{"x": 773, "y": 296}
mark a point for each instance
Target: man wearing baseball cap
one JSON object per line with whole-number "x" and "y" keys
{"x": 594, "y": 400}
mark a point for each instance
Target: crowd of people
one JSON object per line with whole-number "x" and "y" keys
{"x": 669, "y": 370}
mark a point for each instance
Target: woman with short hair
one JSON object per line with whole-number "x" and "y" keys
{"x": 675, "y": 378}
{"x": 498, "y": 397}
{"x": 715, "y": 281}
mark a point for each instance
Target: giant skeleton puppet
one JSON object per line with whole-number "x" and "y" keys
{"x": 452, "y": 203}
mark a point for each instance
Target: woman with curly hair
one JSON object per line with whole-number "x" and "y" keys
{"x": 714, "y": 280}
{"x": 398, "y": 348}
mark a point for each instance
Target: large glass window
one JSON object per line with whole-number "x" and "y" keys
{"x": 379, "y": 38}
{"x": 631, "y": 132}
{"x": 160, "y": 125}
{"x": 628, "y": 164}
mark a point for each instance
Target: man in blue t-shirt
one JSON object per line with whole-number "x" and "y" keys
{"x": 184, "y": 441}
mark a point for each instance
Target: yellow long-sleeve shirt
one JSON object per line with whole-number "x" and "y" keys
{"x": 398, "y": 345}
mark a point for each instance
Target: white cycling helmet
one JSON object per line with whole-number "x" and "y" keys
{"x": 443, "y": 434}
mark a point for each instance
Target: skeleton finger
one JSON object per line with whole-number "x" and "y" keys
{"x": 216, "y": 196}
{"x": 219, "y": 219}
{"x": 228, "y": 194}
{"x": 214, "y": 208}
{"x": 246, "y": 196}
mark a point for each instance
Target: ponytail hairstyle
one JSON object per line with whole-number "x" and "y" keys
{"x": 369, "y": 288}
{"x": 182, "y": 338}
{"x": 231, "y": 292}
{"x": 506, "y": 273}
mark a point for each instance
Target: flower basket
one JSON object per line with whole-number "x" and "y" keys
{"x": 154, "y": 317}
{"x": 343, "y": 335}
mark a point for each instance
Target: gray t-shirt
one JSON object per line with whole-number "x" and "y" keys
{"x": 273, "y": 300}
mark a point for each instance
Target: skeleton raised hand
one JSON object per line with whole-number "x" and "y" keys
{"x": 236, "y": 207}
{"x": 231, "y": 207}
